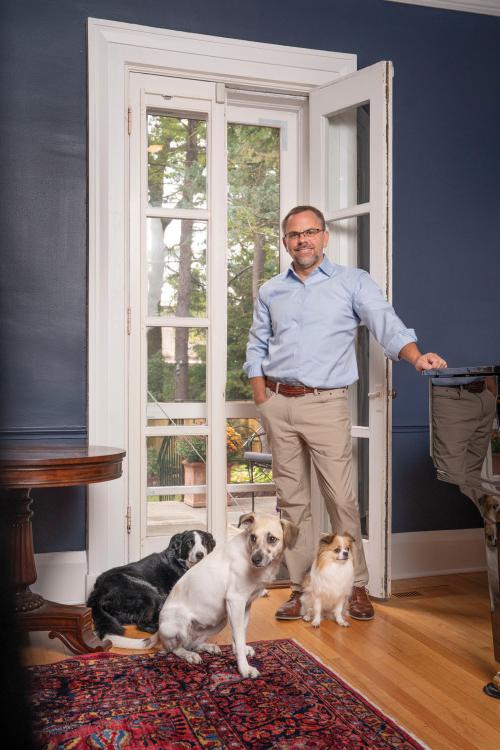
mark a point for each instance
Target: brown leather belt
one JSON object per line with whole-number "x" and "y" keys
{"x": 293, "y": 390}
{"x": 477, "y": 386}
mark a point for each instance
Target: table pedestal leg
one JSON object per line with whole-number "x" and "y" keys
{"x": 72, "y": 624}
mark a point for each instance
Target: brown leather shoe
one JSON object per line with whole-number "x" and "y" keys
{"x": 290, "y": 610}
{"x": 360, "y": 606}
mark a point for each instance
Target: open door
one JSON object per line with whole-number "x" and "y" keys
{"x": 350, "y": 180}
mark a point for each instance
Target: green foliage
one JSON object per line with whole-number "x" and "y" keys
{"x": 177, "y": 178}
{"x": 153, "y": 467}
{"x": 495, "y": 441}
{"x": 177, "y": 161}
{"x": 192, "y": 448}
{"x": 161, "y": 378}
{"x": 253, "y": 225}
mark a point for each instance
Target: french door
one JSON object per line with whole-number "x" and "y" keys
{"x": 176, "y": 284}
{"x": 350, "y": 158}
{"x": 187, "y": 412}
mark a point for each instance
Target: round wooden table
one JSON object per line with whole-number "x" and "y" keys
{"x": 25, "y": 465}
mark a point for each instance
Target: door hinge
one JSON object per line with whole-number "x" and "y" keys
{"x": 129, "y": 120}
{"x": 129, "y": 519}
{"x": 129, "y": 321}
{"x": 220, "y": 93}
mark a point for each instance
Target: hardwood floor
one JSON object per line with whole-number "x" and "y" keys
{"x": 423, "y": 660}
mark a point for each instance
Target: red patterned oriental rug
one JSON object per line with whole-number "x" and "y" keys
{"x": 108, "y": 701}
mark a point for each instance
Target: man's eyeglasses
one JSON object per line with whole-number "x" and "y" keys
{"x": 312, "y": 232}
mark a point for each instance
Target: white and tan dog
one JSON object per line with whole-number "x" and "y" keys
{"x": 220, "y": 588}
{"x": 329, "y": 582}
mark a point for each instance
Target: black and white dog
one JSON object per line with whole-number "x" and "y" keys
{"x": 133, "y": 594}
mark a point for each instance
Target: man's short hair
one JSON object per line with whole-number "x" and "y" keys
{"x": 300, "y": 210}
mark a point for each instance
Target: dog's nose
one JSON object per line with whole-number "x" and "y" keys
{"x": 345, "y": 555}
{"x": 200, "y": 555}
{"x": 257, "y": 558}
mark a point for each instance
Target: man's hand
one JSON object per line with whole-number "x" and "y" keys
{"x": 429, "y": 361}
{"x": 259, "y": 389}
{"x": 412, "y": 354}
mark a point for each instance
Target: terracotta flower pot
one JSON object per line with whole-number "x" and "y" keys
{"x": 195, "y": 472}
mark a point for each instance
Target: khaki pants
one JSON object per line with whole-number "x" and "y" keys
{"x": 314, "y": 427}
{"x": 462, "y": 423}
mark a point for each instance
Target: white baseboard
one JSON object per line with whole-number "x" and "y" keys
{"x": 428, "y": 553}
{"x": 61, "y": 576}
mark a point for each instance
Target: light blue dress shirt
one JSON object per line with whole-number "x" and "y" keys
{"x": 304, "y": 331}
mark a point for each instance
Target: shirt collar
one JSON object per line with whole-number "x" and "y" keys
{"x": 325, "y": 267}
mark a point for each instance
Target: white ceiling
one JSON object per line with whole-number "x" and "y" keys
{"x": 490, "y": 7}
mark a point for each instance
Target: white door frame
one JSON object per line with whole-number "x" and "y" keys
{"x": 114, "y": 50}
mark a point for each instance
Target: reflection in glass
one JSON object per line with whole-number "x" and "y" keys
{"x": 348, "y": 155}
{"x": 464, "y": 415}
{"x": 177, "y": 161}
{"x": 358, "y": 392}
{"x": 350, "y": 244}
{"x": 361, "y": 457}
{"x": 177, "y": 267}
{"x": 465, "y": 410}
{"x": 171, "y": 514}
{"x": 253, "y": 236}
{"x": 176, "y": 364}
{"x": 350, "y": 241}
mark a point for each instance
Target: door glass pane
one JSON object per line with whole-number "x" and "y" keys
{"x": 358, "y": 392}
{"x": 171, "y": 458}
{"x": 176, "y": 461}
{"x": 350, "y": 246}
{"x": 348, "y": 158}
{"x": 246, "y": 443}
{"x": 361, "y": 455}
{"x": 253, "y": 236}
{"x": 177, "y": 267}
{"x": 177, "y": 161}
{"x": 249, "y": 462}
{"x": 170, "y": 514}
{"x": 349, "y": 242}
{"x": 176, "y": 364}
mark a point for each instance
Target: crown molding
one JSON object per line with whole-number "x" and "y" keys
{"x": 488, "y": 7}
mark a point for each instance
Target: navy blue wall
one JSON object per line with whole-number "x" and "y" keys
{"x": 446, "y": 198}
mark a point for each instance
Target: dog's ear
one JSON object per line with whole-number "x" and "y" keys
{"x": 246, "y": 520}
{"x": 349, "y": 536}
{"x": 175, "y": 544}
{"x": 327, "y": 538}
{"x": 290, "y": 533}
{"x": 209, "y": 540}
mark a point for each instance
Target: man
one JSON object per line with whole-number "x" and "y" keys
{"x": 463, "y": 416}
{"x": 300, "y": 360}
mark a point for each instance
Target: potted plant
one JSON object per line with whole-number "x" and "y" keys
{"x": 193, "y": 450}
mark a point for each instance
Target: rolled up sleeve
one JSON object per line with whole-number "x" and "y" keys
{"x": 258, "y": 339}
{"x": 380, "y": 318}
